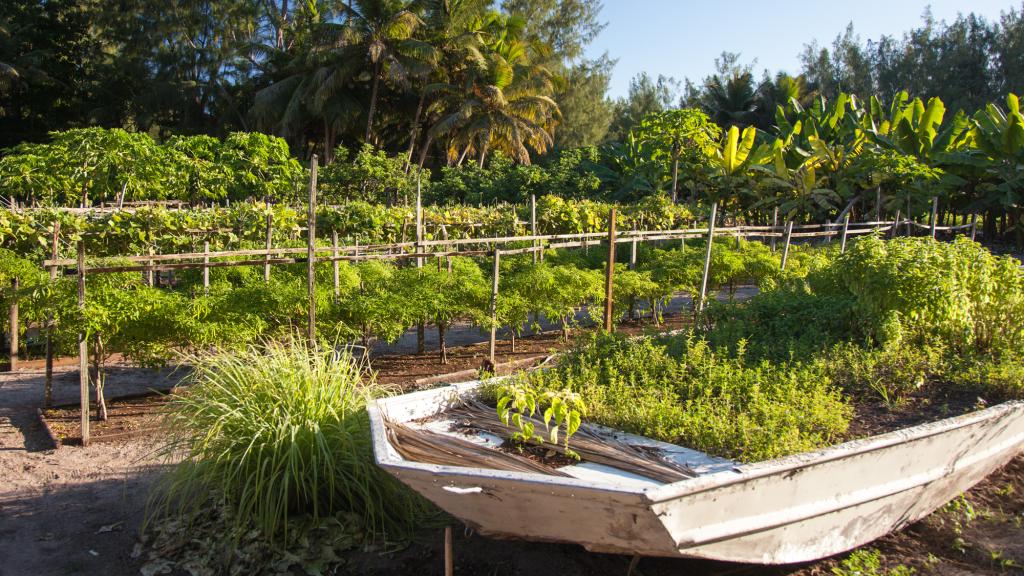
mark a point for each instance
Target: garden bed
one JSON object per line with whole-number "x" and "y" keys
{"x": 127, "y": 417}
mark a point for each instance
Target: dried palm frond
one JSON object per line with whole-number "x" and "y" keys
{"x": 418, "y": 445}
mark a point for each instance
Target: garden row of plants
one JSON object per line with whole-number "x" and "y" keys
{"x": 785, "y": 371}
{"x": 170, "y": 231}
{"x": 817, "y": 162}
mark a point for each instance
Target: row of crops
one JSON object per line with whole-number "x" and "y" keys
{"x": 163, "y": 230}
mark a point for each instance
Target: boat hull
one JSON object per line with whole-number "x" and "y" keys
{"x": 783, "y": 511}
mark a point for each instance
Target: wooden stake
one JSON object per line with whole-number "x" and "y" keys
{"x": 707, "y": 259}
{"x": 609, "y": 273}
{"x": 419, "y": 221}
{"x": 895, "y": 225}
{"x": 13, "y": 323}
{"x": 48, "y": 382}
{"x": 335, "y": 264}
{"x": 449, "y": 552}
{"x": 270, "y": 244}
{"x": 533, "y": 224}
{"x": 842, "y": 238}
{"x": 311, "y": 253}
{"x": 974, "y": 226}
{"x": 632, "y": 255}
{"x": 935, "y": 214}
{"x": 775, "y": 224}
{"x": 494, "y": 307}
{"x": 206, "y": 267}
{"x": 83, "y": 350}
{"x": 150, "y": 280}
{"x": 785, "y": 248}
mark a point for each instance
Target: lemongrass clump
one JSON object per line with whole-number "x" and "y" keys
{"x": 280, "y": 430}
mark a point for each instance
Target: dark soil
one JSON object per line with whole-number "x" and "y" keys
{"x": 928, "y": 404}
{"x": 126, "y": 417}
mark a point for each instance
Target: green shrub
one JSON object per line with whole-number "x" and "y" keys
{"x": 277, "y": 431}
{"x": 682, "y": 392}
{"x": 891, "y": 372}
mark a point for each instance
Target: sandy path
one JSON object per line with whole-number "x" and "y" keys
{"x": 77, "y": 510}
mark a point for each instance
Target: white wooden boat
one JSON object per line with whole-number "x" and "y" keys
{"x": 788, "y": 510}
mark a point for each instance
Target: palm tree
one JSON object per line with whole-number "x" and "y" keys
{"x": 501, "y": 103}
{"x": 730, "y": 100}
{"x": 381, "y": 32}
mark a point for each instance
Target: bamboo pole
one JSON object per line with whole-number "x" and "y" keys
{"x": 785, "y": 247}
{"x": 13, "y": 323}
{"x": 842, "y": 238}
{"x": 609, "y": 273}
{"x": 707, "y": 259}
{"x": 48, "y": 381}
{"x": 935, "y": 215}
{"x": 311, "y": 253}
{"x": 83, "y": 350}
{"x": 206, "y": 268}
{"x": 494, "y": 306}
{"x": 269, "y": 245}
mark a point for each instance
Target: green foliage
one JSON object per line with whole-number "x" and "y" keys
{"x": 518, "y": 403}
{"x": 683, "y": 392}
{"x": 868, "y": 562}
{"x": 371, "y": 176}
{"x": 276, "y": 431}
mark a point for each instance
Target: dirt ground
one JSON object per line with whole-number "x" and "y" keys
{"x": 78, "y": 510}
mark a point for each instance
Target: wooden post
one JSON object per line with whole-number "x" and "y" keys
{"x": 48, "y": 382}
{"x": 311, "y": 253}
{"x": 494, "y": 306}
{"x": 935, "y": 214}
{"x": 449, "y": 552}
{"x": 785, "y": 247}
{"x": 270, "y": 244}
{"x": 842, "y": 238}
{"x": 632, "y": 254}
{"x": 707, "y": 259}
{"x": 83, "y": 350}
{"x": 421, "y": 338}
{"x": 150, "y": 280}
{"x": 974, "y": 226}
{"x": 609, "y": 273}
{"x": 15, "y": 286}
{"x": 206, "y": 267}
{"x": 533, "y": 225}
{"x": 775, "y": 223}
{"x": 335, "y": 263}
{"x": 910, "y": 231}
{"x": 895, "y": 225}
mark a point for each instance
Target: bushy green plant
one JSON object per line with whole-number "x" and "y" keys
{"x": 279, "y": 430}
{"x": 683, "y": 392}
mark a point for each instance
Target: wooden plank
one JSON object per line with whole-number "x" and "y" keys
{"x": 609, "y": 279}
{"x": 83, "y": 350}
{"x": 707, "y": 259}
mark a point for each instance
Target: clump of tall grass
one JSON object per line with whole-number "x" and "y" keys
{"x": 276, "y": 431}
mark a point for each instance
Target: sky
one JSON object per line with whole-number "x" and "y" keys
{"x": 681, "y": 38}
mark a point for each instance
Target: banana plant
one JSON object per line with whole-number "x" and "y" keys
{"x": 999, "y": 135}
{"x": 732, "y": 161}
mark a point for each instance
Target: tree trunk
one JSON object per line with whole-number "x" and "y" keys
{"x": 441, "y": 341}
{"x": 512, "y": 334}
{"x": 415, "y": 128}
{"x": 675, "y": 176}
{"x": 281, "y": 24}
{"x": 97, "y": 380}
{"x": 425, "y": 150}
{"x": 373, "y": 101}
{"x": 421, "y": 344}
